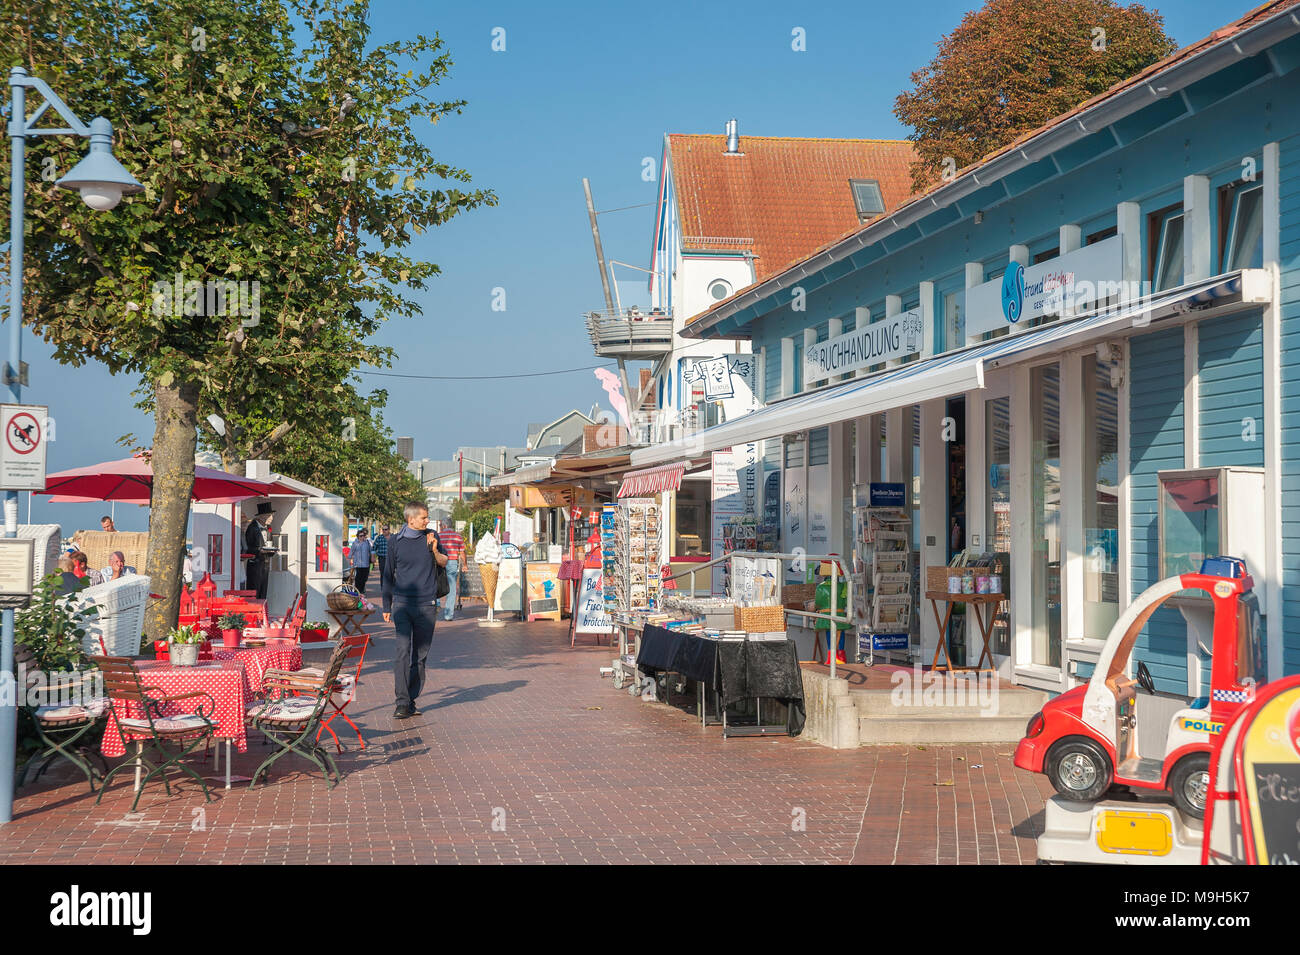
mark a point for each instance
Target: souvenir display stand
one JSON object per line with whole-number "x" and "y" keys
{"x": 630, "y": 544}
{"x": 882, "y": 576}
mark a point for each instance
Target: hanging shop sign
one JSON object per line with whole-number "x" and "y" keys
{"x": 1066, "y": 286}
{"x": 895, "y": 337}
{"x": 523, "y": 497}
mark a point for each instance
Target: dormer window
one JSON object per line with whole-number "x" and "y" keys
{"x": 867, "y": 198}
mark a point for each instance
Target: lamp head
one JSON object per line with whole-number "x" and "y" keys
{"x": 100, "y": 178}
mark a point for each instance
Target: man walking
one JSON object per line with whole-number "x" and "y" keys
{"x": 380, "y": 547}
{"x": 360, "y": 553}
{"x": 454, "y": 545}
{"x": 410, "y": 587}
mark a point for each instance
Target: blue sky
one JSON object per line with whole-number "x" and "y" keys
{"x": 581, "y": 89}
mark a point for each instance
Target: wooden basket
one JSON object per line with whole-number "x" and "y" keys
{"x": 795, "y": 596}
{"x": 760, "y": 619}
{"x": 936, "y": 578}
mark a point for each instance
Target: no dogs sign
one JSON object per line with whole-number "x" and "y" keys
{"x": 22, "y": 449}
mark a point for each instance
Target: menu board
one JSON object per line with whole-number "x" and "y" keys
{"x": 16, "y": 555}
{"x": 1277, "y": 788}
{"x": 543, "y": 590}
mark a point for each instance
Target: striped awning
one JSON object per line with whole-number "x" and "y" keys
{"x": 665, "y": 477}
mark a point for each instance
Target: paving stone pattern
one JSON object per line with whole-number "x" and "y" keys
{"x": 521, "y": 752}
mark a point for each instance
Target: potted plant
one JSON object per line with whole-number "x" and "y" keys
{"x": 232, "y": 627}
{"x": 314, "y": 631}
{"x": 183, "y": 646}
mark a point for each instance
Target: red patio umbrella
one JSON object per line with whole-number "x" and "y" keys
{"x": 131, "y": 479}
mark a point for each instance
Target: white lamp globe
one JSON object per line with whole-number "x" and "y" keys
{"x": 100, "y": 178}
{"x": 101, "y": 196}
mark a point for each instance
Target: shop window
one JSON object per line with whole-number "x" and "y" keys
{"x": 794, "y": 451}
{"x": 1165, "y": 238}
{"x": 954, "y": 320}
{"x": 1241, "y": 227}
{"x": 1045, "y": 533}
{"x": 997, "y": 432}
{"x": 1101, "y": 528}
{"x": 819, "y": 446}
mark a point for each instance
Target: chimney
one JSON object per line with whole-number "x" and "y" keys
{"x": 733, "y": 139}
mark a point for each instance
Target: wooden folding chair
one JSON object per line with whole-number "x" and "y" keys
{"x": 154, "y": 730}
{"x": 290, "y": 716}
{"x": 345, "y": 688}
{"x": 63, "y": 719}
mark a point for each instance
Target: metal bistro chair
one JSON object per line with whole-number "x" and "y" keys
{"x": 344, "y": 688}
{"x": 290, "y": 716}
{"x": 59, "y": 725}
{"x": 154, "y": 730}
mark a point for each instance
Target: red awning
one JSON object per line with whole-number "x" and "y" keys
{"x": 665, "y": 477}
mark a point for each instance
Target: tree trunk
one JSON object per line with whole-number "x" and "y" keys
{"x": 174, "y": 440}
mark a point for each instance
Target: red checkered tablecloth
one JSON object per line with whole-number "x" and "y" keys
{"x": 257, "y": 660}
{"x": 223, "y": 679}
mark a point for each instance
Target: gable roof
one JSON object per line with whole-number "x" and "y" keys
{"x": 785, "y": 196}
{"x": 1000, "y": 162}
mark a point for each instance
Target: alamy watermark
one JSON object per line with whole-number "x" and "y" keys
{"x": 928, "y": 688}
{"x": 213, "y": 298}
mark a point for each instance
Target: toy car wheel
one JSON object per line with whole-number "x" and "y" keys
{"x": 1189, "y": 783}
{"x": 1079, "y": 769}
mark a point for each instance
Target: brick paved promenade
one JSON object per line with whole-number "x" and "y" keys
{"x": 522, "y": 753}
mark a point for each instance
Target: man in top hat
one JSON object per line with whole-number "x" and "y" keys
{"x": 258, "y": 543}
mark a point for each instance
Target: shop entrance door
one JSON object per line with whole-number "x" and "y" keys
{"x": 954, "y": 436}
{"x": 997, "y": 509}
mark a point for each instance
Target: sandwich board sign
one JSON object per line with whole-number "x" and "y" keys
{"x": 22, "y": 448}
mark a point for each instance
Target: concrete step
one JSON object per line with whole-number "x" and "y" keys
{"x": 933, "y": 729}
{"x": 958, "y": 701}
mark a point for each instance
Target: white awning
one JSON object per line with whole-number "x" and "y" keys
{"x": 955, "y": 372}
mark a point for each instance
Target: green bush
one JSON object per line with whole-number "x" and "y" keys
{"x": 52, "y": 628}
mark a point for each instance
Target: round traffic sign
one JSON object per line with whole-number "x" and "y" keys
{"x": 23, "y": 433}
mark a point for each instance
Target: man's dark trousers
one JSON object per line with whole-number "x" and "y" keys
{"x": 257, "y": 576}
{"x": 359, "y": 577}
{"x": 414, "y": 621}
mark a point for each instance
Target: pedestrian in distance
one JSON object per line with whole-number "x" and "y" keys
{"x": 410, "y": 589}
{"x": 380, "y": 548}
{"x": 361, "y": 554}
{"x": 454, "y": 544}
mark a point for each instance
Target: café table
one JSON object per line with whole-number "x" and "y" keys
{"x": 257, "y": 660}
{"x": 223, "y": 680}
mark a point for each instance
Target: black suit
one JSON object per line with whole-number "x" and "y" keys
{"x": 259, "y": 566}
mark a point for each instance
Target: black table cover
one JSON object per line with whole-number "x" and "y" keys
{"x": 735, "y": 669}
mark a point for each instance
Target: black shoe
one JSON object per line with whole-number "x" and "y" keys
{"x": 403, "y": 712}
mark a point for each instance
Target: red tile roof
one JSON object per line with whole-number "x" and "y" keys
{"x": 1253, "y": 18}
{"x": 784, "y": 196}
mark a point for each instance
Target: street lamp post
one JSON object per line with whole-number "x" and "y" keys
{"x": 102, "y": 181}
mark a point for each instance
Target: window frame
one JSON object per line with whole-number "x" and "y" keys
{"x": 1157, "y": 222}
{"x": 1230, "y": 197}
{"x": 864, "y": 215}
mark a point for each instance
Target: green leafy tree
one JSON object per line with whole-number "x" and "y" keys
{"x": 1011, "y": 66}
{"x": 279, "y": 152}
{"x": 357, "y": 461}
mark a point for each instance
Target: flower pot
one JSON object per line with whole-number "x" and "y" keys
{"x": 230, "y": 638}
{"x": 184, "y": 654}
{"x": 314, "y": 636}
